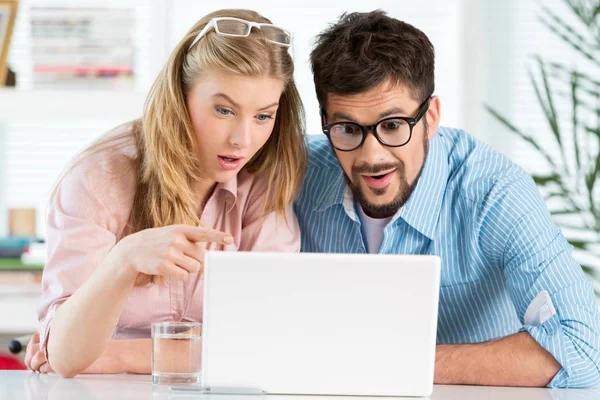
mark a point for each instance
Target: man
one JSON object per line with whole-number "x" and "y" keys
{"x": 515, "y": 308}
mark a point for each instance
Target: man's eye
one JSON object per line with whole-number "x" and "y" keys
{"x": 350, "y": 129}
{"x": 391, "y": 125}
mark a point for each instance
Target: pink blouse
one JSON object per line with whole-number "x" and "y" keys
{"x": 88, "y": 217}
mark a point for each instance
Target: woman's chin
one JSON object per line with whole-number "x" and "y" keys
{"x": 225, "y": 176}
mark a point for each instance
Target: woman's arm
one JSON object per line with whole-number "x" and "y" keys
{"x": 84, "y": 324}
{"x": 86, "y": 214}
{"x": 88, "y": 278}
{"x": 133, "y": 356}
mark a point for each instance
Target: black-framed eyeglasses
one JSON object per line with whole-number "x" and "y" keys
{"x": 391, "y": 132}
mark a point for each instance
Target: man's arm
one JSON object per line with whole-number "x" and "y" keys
{"x": 552, "y": 297}
{"x": 516, "y": 360}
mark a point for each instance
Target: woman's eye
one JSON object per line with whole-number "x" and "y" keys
{"x": 223, "y": 111}
{"x": 264, "y": 117}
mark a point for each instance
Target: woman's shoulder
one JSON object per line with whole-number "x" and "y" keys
{"x": 100, "y": 183}
{"x": 110, "y": 161}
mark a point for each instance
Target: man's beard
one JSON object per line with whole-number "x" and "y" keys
{"x": 404, "y": 192}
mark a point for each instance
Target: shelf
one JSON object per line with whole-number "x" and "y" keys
{"x": 15, "y": 264}
{"x": 54, "y": 105}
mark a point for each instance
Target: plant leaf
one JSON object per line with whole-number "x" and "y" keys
{"x": 592, "y": 274}
{"x": 586, "y": 15}
{"x": 590, "y": 181}
{"x": 548, "y": 106}
{"x": 595, "y": 131}
{"x": 568, "y": 34}
{"x": 588, "y": 270}
{"x": 522, "y": 135}
{"x": 549, "y": 109}
{"x": 580, "y": 244}
{"x": 575, "y": 121}
{"x": 542, "y": 180}
{"x": 553, "y": 195}
{"x": 582, "y": 228}
{"x": 583, "y": 78}
{"x": 564, "y": 212}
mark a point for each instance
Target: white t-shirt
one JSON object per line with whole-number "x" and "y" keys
{"x": 372, "y": 230}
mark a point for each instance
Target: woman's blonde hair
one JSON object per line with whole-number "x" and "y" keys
{"x": 164, "y": 137}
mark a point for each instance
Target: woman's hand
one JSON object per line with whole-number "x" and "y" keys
{"x": 130, "y": 356}
{"x": 35, "y": 359}
{"x": 171, "y": 251}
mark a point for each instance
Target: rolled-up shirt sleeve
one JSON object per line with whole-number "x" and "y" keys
{"x": 553, "y": 298}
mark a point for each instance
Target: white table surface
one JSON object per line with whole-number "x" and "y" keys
{"x": 17, "y": 385}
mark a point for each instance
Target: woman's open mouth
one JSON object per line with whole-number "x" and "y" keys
{"x": 230, "y": 162}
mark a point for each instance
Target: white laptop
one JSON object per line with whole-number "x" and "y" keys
{"x": 319, "y": 324}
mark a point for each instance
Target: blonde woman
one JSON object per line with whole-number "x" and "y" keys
{"x": 214, "y": 163}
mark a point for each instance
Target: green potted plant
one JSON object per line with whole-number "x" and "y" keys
{"x": 571, "y": 185}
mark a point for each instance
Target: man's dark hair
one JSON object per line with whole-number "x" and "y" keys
{"x": 363, "y": 50}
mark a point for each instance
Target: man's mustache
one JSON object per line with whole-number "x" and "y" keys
{"x": 374, "y": 169}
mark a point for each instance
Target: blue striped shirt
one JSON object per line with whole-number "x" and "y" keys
{"x": 485, "y": 218}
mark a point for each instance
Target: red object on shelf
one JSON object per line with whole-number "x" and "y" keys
{"x": 11, "y": 363}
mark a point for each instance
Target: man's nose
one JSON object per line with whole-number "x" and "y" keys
{"x": 372, "y": 152}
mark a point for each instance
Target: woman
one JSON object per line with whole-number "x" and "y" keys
{"x": 214, "y": 163}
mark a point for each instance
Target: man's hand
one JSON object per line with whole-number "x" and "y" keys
{"x": 516, "y": 360}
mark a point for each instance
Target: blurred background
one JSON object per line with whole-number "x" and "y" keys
{"x": 520, "y": 75}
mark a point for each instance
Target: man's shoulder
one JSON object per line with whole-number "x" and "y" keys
{"x": 323, "y": 175}
{"x": 320, "y": 154}
{"x": 475, "y": 168}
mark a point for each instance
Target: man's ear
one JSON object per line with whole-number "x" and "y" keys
{"x": 433, "y": 115}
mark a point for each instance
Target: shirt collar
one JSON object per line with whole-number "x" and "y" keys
{"x": 421, "y": 211}
{"x": 334, "y": 191}
{"x": 229, "y": 190}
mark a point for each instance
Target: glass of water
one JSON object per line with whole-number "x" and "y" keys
{"x": 176, "y": 352}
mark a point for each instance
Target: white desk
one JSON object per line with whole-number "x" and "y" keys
{"x": 31, "y": 386}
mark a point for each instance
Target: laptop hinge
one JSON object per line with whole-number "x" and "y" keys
{"x": 218, "y": 390}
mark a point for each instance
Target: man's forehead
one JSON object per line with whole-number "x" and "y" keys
{"x": 378, "y": 96}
